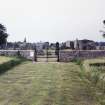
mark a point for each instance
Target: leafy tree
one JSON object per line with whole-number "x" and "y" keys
{"x": 3, "y": 34}
{"x": 103, "y": 31}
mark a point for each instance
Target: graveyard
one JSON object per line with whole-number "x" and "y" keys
{"x": 51, "y": 83}
{"x": 45, "y": 76}
{"x": 52, "y": 52}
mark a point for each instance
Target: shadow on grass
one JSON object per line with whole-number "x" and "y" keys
{"x": 10, "y": 64}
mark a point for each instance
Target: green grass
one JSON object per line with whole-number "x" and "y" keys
{"x": 93, "y": 75}
{"x": 5, "y": 59}
{"x": 10, "y": 63}
{"x": 45, "y": 84}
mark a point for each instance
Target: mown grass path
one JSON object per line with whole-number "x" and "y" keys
{"x": 43, "y": 84}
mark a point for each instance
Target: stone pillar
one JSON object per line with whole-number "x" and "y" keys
{"x": 57, "y": 51}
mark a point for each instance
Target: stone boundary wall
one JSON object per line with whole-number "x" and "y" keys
{"x": 24, "y": 53}
{"x": 66, "y": 56}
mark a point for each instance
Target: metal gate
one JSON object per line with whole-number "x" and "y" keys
{"x": 47, "y": 55}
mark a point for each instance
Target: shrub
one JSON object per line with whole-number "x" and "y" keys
{"x": 10, "y": 64}
{"x": 94, "y": 81}
{"x": 77, "y": 61}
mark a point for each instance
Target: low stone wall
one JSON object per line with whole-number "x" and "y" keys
{"x": 24, "y": 53}
{"x": 66, "y": 56}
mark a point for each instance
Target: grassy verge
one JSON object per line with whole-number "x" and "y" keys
{"x": 8, "y": 63}
{"x": 4, "y": 59}
{"x": 93, "y": 75}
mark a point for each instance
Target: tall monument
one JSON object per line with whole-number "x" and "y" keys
{"x": 25, "y": 40}
{"x": 76, "y": 44}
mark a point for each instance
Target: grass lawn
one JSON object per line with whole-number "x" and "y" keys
{"x": 5, "y": 59}
{"x": 44, "y": 84}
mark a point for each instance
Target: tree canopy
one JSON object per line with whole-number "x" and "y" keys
{"x": 104, "y": 22}
{"x": 103, "y": 31}
{"x": 3, "y": 34}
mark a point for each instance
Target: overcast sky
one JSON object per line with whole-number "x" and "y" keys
{"x": 52, "y": 20}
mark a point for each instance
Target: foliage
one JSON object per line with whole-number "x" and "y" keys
{"x": 103, "y": 31}
{"x": 94, "y": 80}
{"x": 77, "y": 61}
{"x": 10, "y": 64}
{"x": 3, "y": 34}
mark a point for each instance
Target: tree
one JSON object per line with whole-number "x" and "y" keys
{"x": 3, "y": 34}
{"x": 103, "y": 32}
